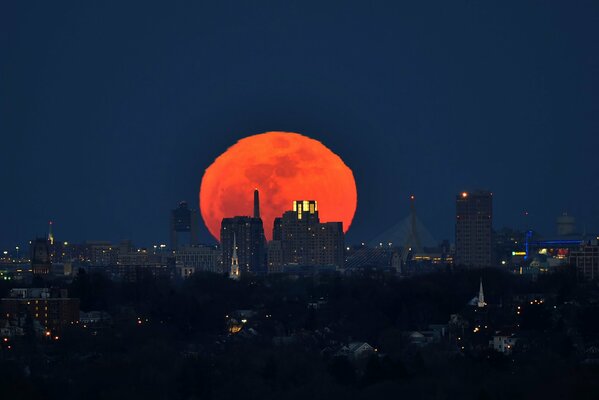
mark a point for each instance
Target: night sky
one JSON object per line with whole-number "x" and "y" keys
{"x": 109, "y": 113}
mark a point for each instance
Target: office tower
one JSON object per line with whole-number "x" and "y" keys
{"x": 40, "y": 257}
{"x": 566, "y": 225}
{"x": 247, "y": 235}
{"x": 307, "y": 241}
{"x": 474, "y": 224}
{"x": 276, "y": 229}
{"x": 184, "y": 221}
{"x": 586, "y": 260}
{"x": 274, "y": 257}
{"x": 274, "y": 251}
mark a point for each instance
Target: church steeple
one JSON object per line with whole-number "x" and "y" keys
{"x": 481, "y": 295}
{"x": 50, "y": 234}
{"x": 234, "y": 270}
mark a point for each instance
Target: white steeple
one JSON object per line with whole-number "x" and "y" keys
{"x": 50, "y": 234}
{"x": 481, "y": 295}
{"x": 234, "y": 271}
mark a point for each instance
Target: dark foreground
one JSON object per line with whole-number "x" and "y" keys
{"x": 281, "y": 338}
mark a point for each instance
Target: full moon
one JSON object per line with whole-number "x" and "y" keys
{"x": 283, "y": 166}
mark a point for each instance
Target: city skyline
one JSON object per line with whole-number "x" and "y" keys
{"x": 551, "y": 222}
{"x": 432, "y": 106}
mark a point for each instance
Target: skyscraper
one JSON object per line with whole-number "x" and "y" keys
{"x": 246, "y": 234}
{"x": 40, "y": 257}
{"x": 183, "y": 221}
{"x": 307, "y": 241}
{"x": 473, "y": 231}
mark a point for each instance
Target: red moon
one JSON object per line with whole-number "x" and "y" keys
{"x": 283, "y": 166}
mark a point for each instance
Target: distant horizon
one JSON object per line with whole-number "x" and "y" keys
{"x": 205, "y": 234}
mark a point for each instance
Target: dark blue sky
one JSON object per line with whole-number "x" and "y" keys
{"x": 111, "y": 112}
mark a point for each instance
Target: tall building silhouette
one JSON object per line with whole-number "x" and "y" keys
{"x": 307, "y": 241}
{"x": 40, "y": 257}
{"x": 246, "y": 235}
{"x": 473, "y": 230}
{"x": 184, "y": 221}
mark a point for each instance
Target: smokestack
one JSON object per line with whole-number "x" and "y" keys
{"x": 256, "y": 204}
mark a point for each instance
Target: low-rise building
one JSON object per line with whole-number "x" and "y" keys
{"x": 503, "y": 342}
{"x": 196, "y": 258}
{"x": 52, "y": 308}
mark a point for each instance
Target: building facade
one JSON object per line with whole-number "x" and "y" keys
{"x": 307, "y": 241}
{"x": 244, "y": 236}
{"x": 586, "y": 260}
{"x": 137, "y": 265}
{"x": 199, "y": 257}
{"x": 248, "y": 233}
{"x": 51, "y": 308}
{"x": 473, "y": 230}
{"x": 40, "y": 257}
{"x": 184, "y": 222}
{"x": 274, "y": 257}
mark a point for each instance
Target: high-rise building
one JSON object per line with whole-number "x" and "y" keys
{"x": 307, "y": 241}
{"x": 184, "y": 221}
{"x": 247, "y": 235}
{"x": 473, "y": 230}
{"x": 40, "y": 257}
{"x": 276, "y": 229}
{"x": 586, "y": 260}
{"x": 274, "y": 257}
